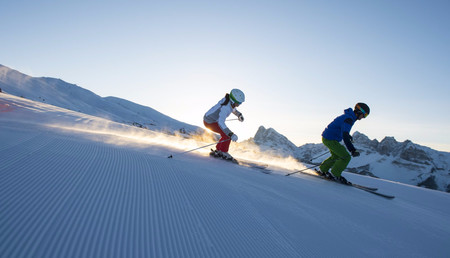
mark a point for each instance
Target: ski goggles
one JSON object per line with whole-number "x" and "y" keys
{"x": 365, "y": 114}
{"x": 237, "y": 103}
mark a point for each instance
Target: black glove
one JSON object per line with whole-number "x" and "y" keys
{"x": 241, "y": 118}
{"x": 355, "y": 153}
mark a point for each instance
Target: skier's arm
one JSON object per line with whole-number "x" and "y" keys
{"x": 348, "y": 142}
{"x": 346, "y": 127}
{"x": 238, "y": 114}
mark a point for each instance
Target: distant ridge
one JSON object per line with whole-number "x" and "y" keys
{"x": 70, "y": 96}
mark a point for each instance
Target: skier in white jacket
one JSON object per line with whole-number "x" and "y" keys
{"x": 215, "y": 118}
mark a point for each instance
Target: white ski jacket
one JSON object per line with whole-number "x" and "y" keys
{"x": 219, "y": 112}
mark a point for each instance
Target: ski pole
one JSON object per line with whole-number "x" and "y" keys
{"x": 298, "y": 171}
{"x": 232, "y": 119}
{"x": 319, "y": 156}
{"x": 171, "y": 156}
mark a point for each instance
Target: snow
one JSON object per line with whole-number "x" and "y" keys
{"x": 404, "y": 162}
{"x": 74, "y": 185}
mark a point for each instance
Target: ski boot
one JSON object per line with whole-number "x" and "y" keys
{"x": 226, "y": 155}
{"x": 342, "y": 180}
{"x": 320, "y": 173}
{"x": 329, "y": 176}
{"x": 215, "y": 153}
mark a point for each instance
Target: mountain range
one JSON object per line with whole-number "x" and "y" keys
{"x": 404, "y": 162}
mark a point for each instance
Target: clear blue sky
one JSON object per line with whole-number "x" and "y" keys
{"x": 300, "y": 63}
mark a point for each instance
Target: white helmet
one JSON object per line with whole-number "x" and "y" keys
{"x": 237, "y": 96}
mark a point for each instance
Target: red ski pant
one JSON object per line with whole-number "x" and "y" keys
{"x": 224, "y": 142}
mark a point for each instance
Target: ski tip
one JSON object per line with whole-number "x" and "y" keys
{"x": 170, "y": 157}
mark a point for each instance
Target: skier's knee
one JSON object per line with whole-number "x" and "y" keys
{"x": 346, "y": 158}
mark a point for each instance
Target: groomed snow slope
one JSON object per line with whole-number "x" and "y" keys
{"x": 89, "y": 192}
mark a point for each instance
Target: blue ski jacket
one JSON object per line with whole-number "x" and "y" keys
{"x": 339, "y": 129}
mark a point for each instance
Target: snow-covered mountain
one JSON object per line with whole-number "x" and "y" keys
{"x": 67, "y": 191}
{"x": 69, "y": 96}
{"x": 404, "y": 162}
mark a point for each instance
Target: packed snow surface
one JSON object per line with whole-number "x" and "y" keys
{"x": 73, "y": 185}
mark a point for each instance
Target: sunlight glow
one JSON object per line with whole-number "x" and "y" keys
{"x": 123, "y": 135}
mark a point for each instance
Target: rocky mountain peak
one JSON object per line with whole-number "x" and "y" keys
{"x": 271, "y": 139}
{"x": 364, "y": 140}
{"x": 389, "y": 146}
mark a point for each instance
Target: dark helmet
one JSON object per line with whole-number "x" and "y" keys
{"x": 362, "y": 108}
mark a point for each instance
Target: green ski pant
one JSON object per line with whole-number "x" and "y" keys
{"x": 339, "y": 158}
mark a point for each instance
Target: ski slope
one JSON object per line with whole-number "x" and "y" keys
{"x": 73, "y": 185}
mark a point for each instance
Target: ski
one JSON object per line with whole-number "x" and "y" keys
{"x": 387, "y": 196}
{"x": 368, "y": 189}
{"x": 260, "y": 167}
{"x": 349, "y": 183}
{"x": 362, "y": 186}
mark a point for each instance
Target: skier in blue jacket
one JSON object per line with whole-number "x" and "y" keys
{"x": 335, "y": 132}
